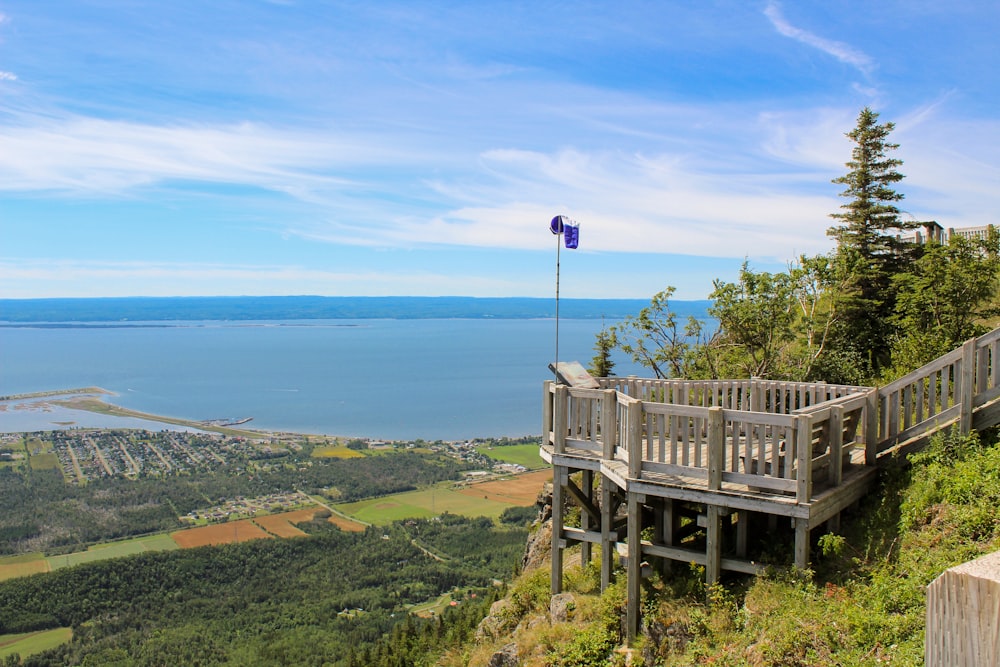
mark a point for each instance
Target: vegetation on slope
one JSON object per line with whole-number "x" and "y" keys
{"x": 864, "y": 604}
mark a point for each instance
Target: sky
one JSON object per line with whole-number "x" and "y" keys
{"x": 284, "y": 147}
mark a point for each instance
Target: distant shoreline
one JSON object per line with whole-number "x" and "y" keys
{"x": 161, "y": 311}
{"x": 83, "y": 399}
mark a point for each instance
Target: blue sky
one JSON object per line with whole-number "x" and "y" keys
{"x": 240, "y": 147}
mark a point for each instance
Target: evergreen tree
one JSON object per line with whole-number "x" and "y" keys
{"x": 602, "y": 365}
{"x": 869, "y": 250}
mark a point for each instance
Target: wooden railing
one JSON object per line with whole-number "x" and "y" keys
{"x": 707, "y": 432}
{"x": 767, "y": 434}
{"x": 946, "y": 391}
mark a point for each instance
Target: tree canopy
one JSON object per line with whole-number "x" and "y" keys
{"x": 878, "y": 304}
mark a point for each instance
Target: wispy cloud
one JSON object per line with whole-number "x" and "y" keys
{"x": 25, "y": 278}
{"x": 843, "y": 52}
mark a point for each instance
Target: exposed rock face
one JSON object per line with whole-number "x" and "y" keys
{"x": 496, "y": 623}
{"x": 505, "y": 657}
{"x": 539, "y": 545}
{"x": 561, "y": 607}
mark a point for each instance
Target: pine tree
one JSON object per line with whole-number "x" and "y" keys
{"x": 601, "y": 365}
{"x": 869, "y": 248}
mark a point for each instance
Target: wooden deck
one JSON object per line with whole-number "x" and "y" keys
{"x": 698, "y": 465}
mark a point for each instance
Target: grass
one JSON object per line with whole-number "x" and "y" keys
{"x": 44, "y": 462}
{"x": 29, "y": 643}
{"x": 335, "y": 452}
{"x": 525, "y": 455}
{"x": 422, "y": 504}
{"x": 22, "y": 565}
{"x": 161, "y": 542}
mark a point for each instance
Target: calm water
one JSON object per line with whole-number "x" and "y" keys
{"x": 393, "y": 379}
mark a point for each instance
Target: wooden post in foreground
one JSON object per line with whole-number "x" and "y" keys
{"x": 963, "y": 615}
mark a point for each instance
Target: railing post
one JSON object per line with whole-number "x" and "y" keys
{"x": 803, "y": 455}
{"x": 547, "y": 429}
{"x": 870, "y": 427}
{"x": 561, "y": 408}
{"x": 836, "y": 444}
{"x": 634, "y": 435}
{"x": 609, "y": 422}
{"x": 716, "y": 447}
{"x": 968, "y": 388}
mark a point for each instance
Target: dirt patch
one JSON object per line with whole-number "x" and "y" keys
{"x": 518, "y": 490}
{"x": 222, "y": 533}
{"x": 282, "y": 525}
{"x": 12, "y": 570}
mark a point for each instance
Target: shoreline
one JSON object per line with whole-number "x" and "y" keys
{"x": 91, "y": 399}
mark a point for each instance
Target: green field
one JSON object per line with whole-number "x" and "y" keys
{"x": 44, "y": 462}
{"x": 525, "y": 455}
{"x": 422, "y": 504}
{"x": 30, "y": 643}
{"x": 114, "y": 550}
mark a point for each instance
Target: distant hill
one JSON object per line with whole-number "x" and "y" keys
{"x": 241, "y": 308}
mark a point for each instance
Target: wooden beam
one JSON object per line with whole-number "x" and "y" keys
{"x": 588, "y": 518}
{"x": 633, "y": 571}
{"x": 558, "y": 477}
{"x": 713, "y": 546}
{"x": 607, "y": 543}
{"x": 583, "y": 501}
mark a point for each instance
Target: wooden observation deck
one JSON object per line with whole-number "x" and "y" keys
{"x": 698, "y": 465}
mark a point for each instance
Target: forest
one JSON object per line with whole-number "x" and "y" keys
{"x": 327, "y": 599}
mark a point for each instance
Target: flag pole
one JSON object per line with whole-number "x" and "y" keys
{"x": 555, "y": 369}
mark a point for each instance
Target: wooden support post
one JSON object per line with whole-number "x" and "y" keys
{"x": 742, "y": 532}
{"x": 634, "y": 436}
{"x": 967, "y": 389}
{"x": 801, "y": 543}
{"x": 870, "y": 427}
{"x": 607, "y": 547}
{"x": 559, "y": 426}
{"x": 803, "y": 458}
{"x": 558, "y": 477}
{"x": 716, "y": 448}
{"x": 609, "y": 423}
{"x": 713, "y": 548}
{"x": 633, "y": 571}
{"x": 585, "y": 516}
{"x": 836, "y": 445}
{"x": 659, "y": 526}
{"x": 547, "y": 412}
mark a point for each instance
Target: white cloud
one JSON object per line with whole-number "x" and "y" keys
{"x": 7, "y": 76}
{"x": 845, "y": 53}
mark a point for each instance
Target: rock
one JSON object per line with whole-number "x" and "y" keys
{"x": 561, "y": 606}
{"x": 496, "y": 623}
{"x": 505, "y": 657}
{"x": 538, "y": 547}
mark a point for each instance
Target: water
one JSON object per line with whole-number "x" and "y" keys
{"x": 391, "y": 379}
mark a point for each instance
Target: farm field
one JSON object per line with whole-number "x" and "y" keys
{"x": 487, "y": 499}
{"x": 525, "y": 455}
{"x": 29, "y": 643}
{"x": 335, "y": 451}
{"x": 22, "y": 565}
{"x": 518, "y": 490}
{"x": 113, "y": 550}
{"x": 273, "y": 525}
{"x": 220, "y": 533}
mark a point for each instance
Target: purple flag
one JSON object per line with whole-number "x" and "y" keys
{"x": 569, "y": 229}
{"x": 571, "y": 234}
